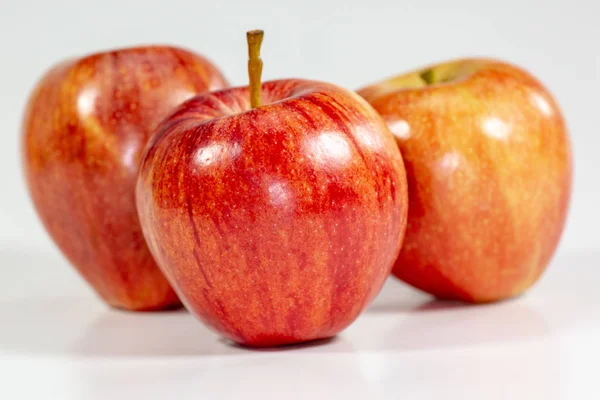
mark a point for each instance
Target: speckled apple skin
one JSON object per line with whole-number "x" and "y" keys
{"x": 85, "y": 127}
{"x": 279, "y": 224}
{"x": 489, "y": 172}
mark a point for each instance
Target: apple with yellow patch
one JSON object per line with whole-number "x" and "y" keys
{"x": 489, "y": 168}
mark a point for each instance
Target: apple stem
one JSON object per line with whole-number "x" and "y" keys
{"x": 255, "y": 65}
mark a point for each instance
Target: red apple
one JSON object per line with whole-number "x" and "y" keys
{"x": 489, "y": 170}
{"x": 85, "y": 127}
{"x": 279, "y": 223}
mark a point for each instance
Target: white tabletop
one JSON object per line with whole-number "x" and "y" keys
{"x": 57, "y": 340}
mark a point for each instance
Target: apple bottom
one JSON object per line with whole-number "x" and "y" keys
{"x": 293, "y": 285}
{"x": 476, "y": 254}
{"x": 280, "y": 282}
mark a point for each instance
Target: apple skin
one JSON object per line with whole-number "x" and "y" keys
{"x": 489, "y": 169}
{"x": 278, "y": 224}
{"x": 85, "y": 127}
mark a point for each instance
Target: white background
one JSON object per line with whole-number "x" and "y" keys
{"x": 350, "y": 43}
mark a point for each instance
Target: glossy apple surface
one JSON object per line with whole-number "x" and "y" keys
{"x": 489, "y": 170}
{"x": 276, "y": 224}
{"x": 86, "y": 124}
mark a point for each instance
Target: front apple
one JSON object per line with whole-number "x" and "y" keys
{"x": 276, "y": 224}
{"x": 489, "y": 172}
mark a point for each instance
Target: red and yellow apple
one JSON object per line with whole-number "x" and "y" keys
{"x": 488, "y": 162}
{"x": 275, "y": 223}
{"x": 85, "y": 127}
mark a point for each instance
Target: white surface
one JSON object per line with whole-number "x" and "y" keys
{"x": 58, "y": 341}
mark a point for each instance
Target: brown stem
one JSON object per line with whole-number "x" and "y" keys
{"x": 255, "y": 65}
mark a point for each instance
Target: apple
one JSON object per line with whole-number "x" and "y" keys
{"x": 85, "y": 127}
{"x": 489, "y": 168}
{"x": 275, "y": 210}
